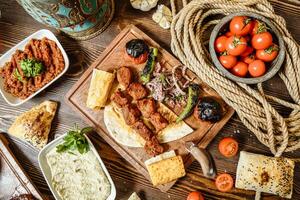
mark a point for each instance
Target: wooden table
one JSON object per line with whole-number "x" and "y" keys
{"x": 16, "y": 24}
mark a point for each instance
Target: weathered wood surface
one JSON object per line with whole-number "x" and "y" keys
{"x": 16, "y": 24}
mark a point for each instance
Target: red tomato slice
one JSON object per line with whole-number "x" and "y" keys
{"x": 236, "y": 45}
{"x": 240, "y": 25}
{"x": 195, "y": 196}
{"x": 228, "y": 147}
{"x": 224, "y": 182}
{"x": 220, "y": 44}
{"x": 139, "y": 60}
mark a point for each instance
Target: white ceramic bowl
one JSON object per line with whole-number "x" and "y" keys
{"x": 47, "y": 172}
{"x": 15, "y": 101}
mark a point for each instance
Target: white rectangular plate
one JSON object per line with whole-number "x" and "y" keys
{"x": 15, "y": 101}
{"x": 47, "y": 172}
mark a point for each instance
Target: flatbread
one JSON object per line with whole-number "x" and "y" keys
{"x": 99, "y": 89}
{"x": 265, "y": 174}
{"x": 118, "y": 128}
{"x": 35, "y": 124}
{"x": 125, "y": 135}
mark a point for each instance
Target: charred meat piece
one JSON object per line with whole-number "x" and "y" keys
{"x": 137, "y": 91}
{"x": 147, "y": 107}
{"x": 120, "y": 98}
{"x": 153, "y": 147}
{"x": 142, "y": 130}
{"x": 124, "y": 76}
{"x": 131, "y": 114}
{"x": 158, "y": 121}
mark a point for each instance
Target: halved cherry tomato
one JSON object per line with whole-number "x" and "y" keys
{"x": 258, "y": 27}
{"x": 257, "y": 68}
{"x": 262, "y": 40}
{"x": 228, "y": 61}
{"x": 139, "y": 60}
{"x": 220, "y": 44}
{"x": 228, "y": 147}
{"x": 236, "y": 45}
{"x": 229, "y": 34}
{"x": 248, "y": 59}
{"x": 240, "y": 69}
{"x": 195, "y": 196}
{"x": 224, "y": 182}
{"x": 247, "y": 52}
{"x": 268, "y": 54}
{"x": 240, "y": 25}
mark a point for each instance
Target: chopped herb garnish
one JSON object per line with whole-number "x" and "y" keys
{"x": 31, "y": 67}
{"x": 75, "y": 139}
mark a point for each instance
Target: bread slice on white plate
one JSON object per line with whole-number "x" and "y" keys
{"x": 34, "y": 125}
{"x": 265, "y": 174}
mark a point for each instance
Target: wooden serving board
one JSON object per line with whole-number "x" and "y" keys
{"x": 112, "y": 58}
{"x": 13, "y": 180}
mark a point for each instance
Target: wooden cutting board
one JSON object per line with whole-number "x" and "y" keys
{"x": 13, "y": 180}
{"x": 112, "y": 58}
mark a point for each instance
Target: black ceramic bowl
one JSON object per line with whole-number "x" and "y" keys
{"x": 272, "y": 68}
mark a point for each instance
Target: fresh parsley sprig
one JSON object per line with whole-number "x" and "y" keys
{"x": 31, "y": 67}
{"x": 75, "y": 139}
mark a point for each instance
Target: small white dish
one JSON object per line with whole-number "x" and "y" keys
{"x": 47, "y": 172}
{"x": 15, "y": 101}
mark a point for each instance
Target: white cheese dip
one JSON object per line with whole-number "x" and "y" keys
{"x": 78, "y": 176}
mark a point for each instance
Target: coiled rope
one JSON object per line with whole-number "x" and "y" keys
{"x": 252, "y": 105}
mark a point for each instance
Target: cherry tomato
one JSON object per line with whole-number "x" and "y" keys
{"x": 258, "y": 27}
{"x": 262, "y": 40}
{"x": 247, "y": 52}
{"x": 240, "y": 25}
{"x": 268, "y": 54}
{"x": 224, "y": 182}
{"x": 236, "y": 45}
{"x": 195, "y": 196}
{"x": 240, "y": 69}
{"x": 228, "y": 61}
{"x": 229, "y": 34}
{"x": 257, "y": 68}
{"x": 228, "y": 147}
{"x": 248, "y": 59}
{"x": 220, "y": 44}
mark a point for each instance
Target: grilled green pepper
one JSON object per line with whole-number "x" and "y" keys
{"x": 193, "y": 96}
{"x": 149, "y": 67}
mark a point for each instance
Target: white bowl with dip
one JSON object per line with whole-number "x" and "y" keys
{"x": 46, "y": 170}
{"x": 15, "y": 101}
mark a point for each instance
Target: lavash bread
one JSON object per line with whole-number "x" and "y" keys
{"x": 34, "y": 125}
{"x": 265, "y": 174}
{"x": 99, "y": 89}
{"x": 127, "y": 136}
{"x": 165, "y": 168}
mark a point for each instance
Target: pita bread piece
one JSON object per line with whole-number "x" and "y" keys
{"x": 265, "y": 174}
{"x": 34, "y": 125}
{"x": 165, "y": 168}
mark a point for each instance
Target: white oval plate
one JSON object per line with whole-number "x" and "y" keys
{"x": 15, "y": 101}
{"x": 47, "y": 172}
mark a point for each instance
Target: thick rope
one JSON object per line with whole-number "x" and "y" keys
{"x": 188, "y": 31}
